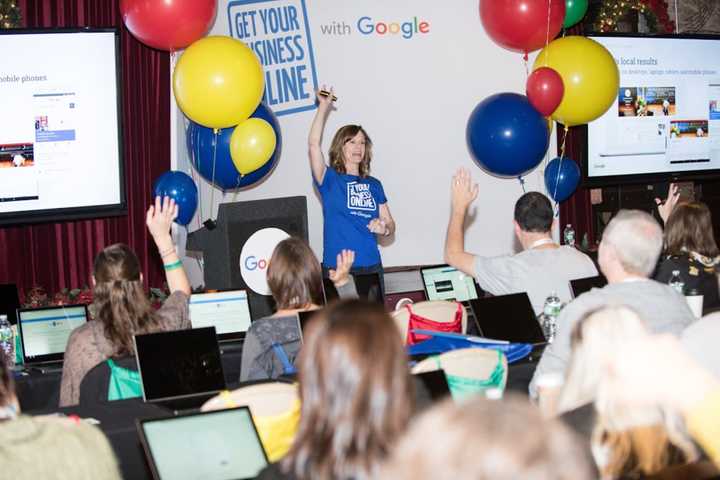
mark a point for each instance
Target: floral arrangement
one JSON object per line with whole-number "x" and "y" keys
{"x": 655, "y": 12}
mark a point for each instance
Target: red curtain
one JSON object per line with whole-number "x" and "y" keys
{"x": 577, "y": 210}
{"x": 60, "y": 255}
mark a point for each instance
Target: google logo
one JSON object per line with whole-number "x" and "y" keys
{"x": 252, "y": 263}
{"x": 367, "y": 26}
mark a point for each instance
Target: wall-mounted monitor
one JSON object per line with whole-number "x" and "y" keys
{"x": 60, "y": 137}
{"x": 665, "y": 122}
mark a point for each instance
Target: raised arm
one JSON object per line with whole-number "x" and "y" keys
{"x": 464, "y": 192}
{"x": 317, "y": 159}
{"x": 159, "y": 219}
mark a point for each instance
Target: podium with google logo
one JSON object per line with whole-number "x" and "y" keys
{"x": 236, "y": 252}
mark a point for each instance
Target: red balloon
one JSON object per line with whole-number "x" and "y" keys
{"x": 545, "y": 89}
{"x": 522, "y": 25}
{"x": 168, "y": 24}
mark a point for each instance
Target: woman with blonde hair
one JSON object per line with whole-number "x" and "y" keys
{"x": 626, "y": 442}
{"x": 355, "y": 208}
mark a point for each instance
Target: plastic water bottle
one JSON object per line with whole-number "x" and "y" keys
{"x": 7, "y": 341}
{"x": 548, "y": 318}
{"x": 569, "y": 235}
{"x": 677, "y": 283}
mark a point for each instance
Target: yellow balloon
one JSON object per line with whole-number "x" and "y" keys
{"x": 590, "y": 77}
{"x": 252, "y": 143}
{"x": 218, "y": 82}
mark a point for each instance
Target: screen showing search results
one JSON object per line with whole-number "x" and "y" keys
{"x": 214, "y": 445}
{"x": 448, "y": 283}
{"x": 59, "y": 145}
{"x": 667, "y": 115}
{"x": 228, "y": 312}
{"x": 46, "y": 331}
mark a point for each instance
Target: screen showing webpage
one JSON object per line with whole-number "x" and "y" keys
{"x": 228, "y": 312}
{"x": 46, "y": 332}
{"x": 448, "y": 283}
{"x": 667, "y": 115}
{"x": 59, "y": 145}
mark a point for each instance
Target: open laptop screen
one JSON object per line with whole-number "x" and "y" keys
{"x": 179, "y": 363}
{"x": 579, "y": 286}
{"x": 228, "y": 312}
{"x": 221, "y": 444}
{"x": 45, "y": 331}
{"x": 448, "y": 283}
{"x": 508, "y": 317}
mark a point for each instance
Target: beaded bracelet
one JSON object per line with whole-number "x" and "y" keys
{"x": 167, "y": 252}
{"x": 172, "y": 266}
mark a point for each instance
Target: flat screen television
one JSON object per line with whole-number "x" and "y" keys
{"x": 665, "y": 122}
{"x": 60, "y": 137}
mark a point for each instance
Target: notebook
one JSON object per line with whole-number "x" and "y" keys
{"x": 9, "y": 301}
{"x": 582, "y": 285}
{"x": 180, "y": 369}
{"x": 227, "y": 311}
{"x": 44, "y": 332}
{"x": 366, "y": 284}
{"x": 215, "y": 445}
{"x": 508, "y": 317}
{"x": 303, "y": 319}
{"x": 448, "y": 283}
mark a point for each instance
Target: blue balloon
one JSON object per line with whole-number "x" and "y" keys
{"x": 562, "y": 177}
{"x": 201, "y": 145}
{"x": 506, "y": 135}
{"x": 180, "y": 187}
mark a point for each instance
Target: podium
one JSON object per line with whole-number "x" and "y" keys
{"x": 236, "y": 223}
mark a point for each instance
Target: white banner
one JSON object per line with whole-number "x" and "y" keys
{"x": 410, "y": 72}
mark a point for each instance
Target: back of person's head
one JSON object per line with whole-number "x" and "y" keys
{"x": 627, "y": 440}
{"x": 294, "y": 275}
{"x": 534, "y": 213}
{"x": 342, "y": 136}
{"x": 356, "y": 393}
{"x": 484, "y": 439}
{"x": 636, "y": 239}
{"x": 119, "y": 297}
{"x": 689, "y": 228}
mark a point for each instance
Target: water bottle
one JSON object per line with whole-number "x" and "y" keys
{"x": 7, "y": 341}
{"x": 677, "y": 283}
{"x": 548, "y": 318}
{"x": 569, "y": 235}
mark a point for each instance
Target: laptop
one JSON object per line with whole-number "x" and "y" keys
{"x": 448, "y": 283}
{"x": 303, "y": 319}
{"x": 227, "y": 311}
{"x": 508, "y": 317}
{"x": 180, "y": 369}
{"x": 220, "y": 444}
{"x": 366, "y": 284}
{"x": 397, "y": 300}
{"x": 582, "y": 285}
{"x": 9, "y": 301}
{"x": 44, "y": 333}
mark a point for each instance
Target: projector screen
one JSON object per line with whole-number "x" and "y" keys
{"x": 665, "y": 123}
{"x": 59, "y": 131}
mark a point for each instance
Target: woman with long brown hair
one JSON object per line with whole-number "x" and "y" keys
{"x": 690, "y": 249}
{"x": 122, "y": 308}
{"x": 355, "y": 392}
{"x": 355, "y": 208}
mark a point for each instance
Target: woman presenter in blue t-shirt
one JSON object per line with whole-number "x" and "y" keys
{"x": 355, "y": 209}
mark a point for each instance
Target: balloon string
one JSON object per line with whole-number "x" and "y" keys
{"x": 547, "y": 34}
{"x": 527, "y": 70}
{"x": 196, "y": 154}
{"x": 522, "y": 183}
{"x": 212, "y": 183}
{"x": 557, "y": 177}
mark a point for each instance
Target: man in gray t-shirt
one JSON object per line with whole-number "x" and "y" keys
{"x": 542, "y": 268}
{"x": 628, "y": 254}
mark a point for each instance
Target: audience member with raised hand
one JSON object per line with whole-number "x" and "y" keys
{"x": 658, "y": 370}
{"x": 628, "y": 255}
{"x": 542, "y": 268}
{"x": 355, "y": 208}
{"x": 666, "y": 207}
{"x": 47, "y": 447}
{"x": 484, "y": 439}
{"x": 627, "y": 440}
{"x": 295, "y": 280}
{"x": 690, "y": 249}
{"x": 122, "y": 308}
{"x": 356, "y": 395}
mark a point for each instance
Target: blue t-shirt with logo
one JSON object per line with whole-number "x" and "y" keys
{"x": 349, "y": 203}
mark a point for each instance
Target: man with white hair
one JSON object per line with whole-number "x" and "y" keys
{"x": 628, "y": 254}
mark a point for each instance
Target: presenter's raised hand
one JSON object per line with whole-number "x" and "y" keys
{"x": 463, "y": 190}
{"x": 325, "y": 101}
{"x": 341, "y": 274}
